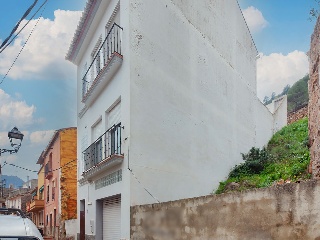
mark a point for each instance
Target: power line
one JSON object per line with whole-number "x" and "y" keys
{"x": 31, "y": 18}
{"x": 23, "y": 45}
{"x": 18, "y": 23}
{"x": 138, "y": 179}
{"x": 26, "y": 169}
{"x": 29, "y": 170}
{"x": 143, "y": 186}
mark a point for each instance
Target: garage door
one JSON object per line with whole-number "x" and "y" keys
{"x": 112, "y": 218}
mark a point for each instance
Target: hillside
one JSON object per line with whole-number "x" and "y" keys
{"x": 286, "y": 158}
{"x": 14, "y": 180}
{"x": 298, "y": 95}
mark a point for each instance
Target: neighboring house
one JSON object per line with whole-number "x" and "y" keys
{"x": 18, "y": 198}
{"x": 36, "y": 205}
{"x": 33, "y": 183}
{"x": 59, "y": 164}
{"x": 167, "y": 101}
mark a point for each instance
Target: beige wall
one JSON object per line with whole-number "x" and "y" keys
{"x": 41, "y": 182}
{"x": 289, "y": 211}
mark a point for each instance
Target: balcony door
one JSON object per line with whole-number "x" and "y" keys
{"x": 97, "y": 132}
{"x": 113, "y": 119}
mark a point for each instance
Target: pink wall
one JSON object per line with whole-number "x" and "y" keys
{"x": 52, "y": 204}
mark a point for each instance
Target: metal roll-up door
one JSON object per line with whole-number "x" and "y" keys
{"x": 112, "y": 218}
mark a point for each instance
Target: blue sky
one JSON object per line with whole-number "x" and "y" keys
{"x": 52, "y": 96}
{"x": 39, "y": 94}
{"x": 288, "y": 29}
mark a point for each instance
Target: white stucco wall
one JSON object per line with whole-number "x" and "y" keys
{"x": 117, "y": 89}
{"x": 189, "y": 108}
{"x": 264, "y": 124}
{"x": 194, "y": 108}
{"x": 280, "y": 113}
{"x": 71, "y": 228}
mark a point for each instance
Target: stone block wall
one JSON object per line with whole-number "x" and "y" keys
{"x": 68, "y": 178}
{"x": 314, "y": 102}
{"x": 284, "y": 212}
{"x": 297, "y": 115}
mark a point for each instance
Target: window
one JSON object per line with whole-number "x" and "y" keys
{"x": 48, "y": 194}
{"x": 96, "y": 136}
{"x": 41, "y": 193}
{"x": 53, "y": 189}
{"x": 84, "y": 79}
{"x": 48, "y": 167}
{"x": 113, "y": 119}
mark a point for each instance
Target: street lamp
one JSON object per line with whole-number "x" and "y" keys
{"x": 15, "y": 138}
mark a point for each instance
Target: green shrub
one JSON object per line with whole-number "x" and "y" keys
{"x": 286, "y": 157}
{"x": 255, "y": 161}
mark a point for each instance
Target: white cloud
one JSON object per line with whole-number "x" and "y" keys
{"x": 42, "y": 137}
{"x": 9, "y": 158}
{"x": 14, "y": 112}
{"x": 43, "y": 56}
{"x": 4, "y": 140}
{"x": 276, "y": 70}
{"x": 254, "y": 18}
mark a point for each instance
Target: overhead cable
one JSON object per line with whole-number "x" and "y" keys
{"x": 18, "y": 23}
{"x": 31, "y": 18}
{"x": 23, "y": 45}
{"x": 30, "y": 170}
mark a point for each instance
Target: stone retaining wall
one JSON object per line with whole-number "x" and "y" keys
{"x": 297, "y": 115}
{"x": 285, "y": 212}
{"x": 314, "y": 102}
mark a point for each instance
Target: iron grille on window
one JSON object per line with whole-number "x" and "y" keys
{"x": 48, "y": 168}
{"x": 48, "y": 194}
{"x": 110, "y": 46}
{"x": 105, "y": 146}
{"x": 53, "y": 192}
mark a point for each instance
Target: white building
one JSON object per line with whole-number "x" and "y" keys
{"x": 166, "y": 89}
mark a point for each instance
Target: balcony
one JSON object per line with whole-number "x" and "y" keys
{"x": 104, "y": 153}
{"x": 105, "y": 64}
{"x": 48, "y": 170}
{"x": 35, "y": 205}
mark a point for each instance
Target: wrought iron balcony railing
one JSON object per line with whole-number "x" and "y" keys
{"x": 110, "y": 46}
{"x": 104, "y": 147}
{"x": 48, "y": 170}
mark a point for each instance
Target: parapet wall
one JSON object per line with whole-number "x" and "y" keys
{"x": 288, "y": 211}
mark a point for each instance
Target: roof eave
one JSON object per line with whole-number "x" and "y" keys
{"x": 83, "y": 26}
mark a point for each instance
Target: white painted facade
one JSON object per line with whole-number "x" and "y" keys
{"x": 185, "y": 87}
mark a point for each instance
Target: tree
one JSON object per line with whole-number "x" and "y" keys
{"x": 285, "y": 90}
{"x": 298, "y": 95}
{"x": 314, "y": 12}
{"x": 266, "y": 100}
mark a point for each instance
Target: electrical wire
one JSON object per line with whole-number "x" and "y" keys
{"x": 131, "y": 171}
{"x": 18, "y": 23}
{"x": 29, "y": 170}
{"x": 143, "y": 186}
{"x": 31, "y": 18}
{"x": 32, "y": 30}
